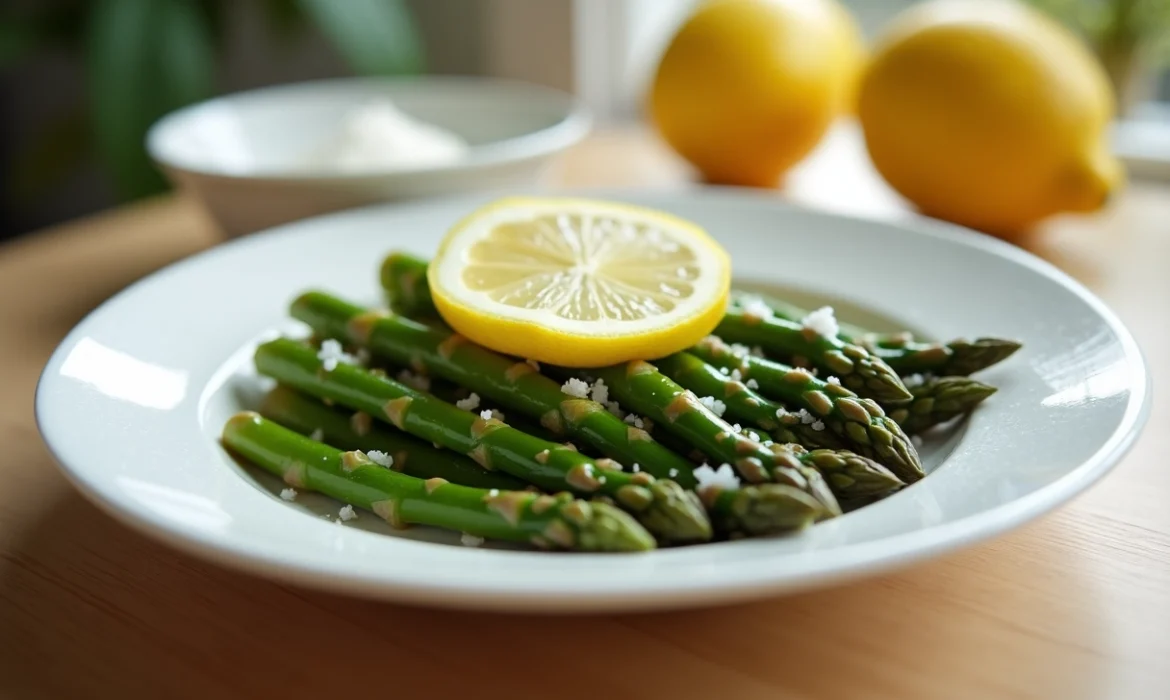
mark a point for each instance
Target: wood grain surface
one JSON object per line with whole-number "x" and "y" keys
{"x": 1073, "y": 606}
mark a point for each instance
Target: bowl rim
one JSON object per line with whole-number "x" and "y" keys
{"x": 574, "y": 125}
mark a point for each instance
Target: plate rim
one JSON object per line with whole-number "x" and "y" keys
{"x": 896, "y": 552}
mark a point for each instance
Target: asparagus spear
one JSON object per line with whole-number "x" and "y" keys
{"x": 742, "y": 402}
{"x": 404, "y": 280}
{"x": 905, "y": 354}
{"x": 640, "y": 386}
{"x": 545, "y": 521}
{"x": 937, "y": 400}
{"x": 858, "y": 368}
{"x": 413, "y": 457}
{"x": 663, "y": 507}
{"x": 861, "y": 422}
{"x": 523, "y": 390}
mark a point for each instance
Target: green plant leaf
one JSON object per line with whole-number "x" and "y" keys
{"x": 376, "y": 37}
{"x": 145, "y": 58}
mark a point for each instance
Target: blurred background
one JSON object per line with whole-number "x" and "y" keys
{"x": 82, "y": 80}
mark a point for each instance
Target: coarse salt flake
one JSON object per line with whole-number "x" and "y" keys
{"x": 724, "y": 477}
{"x": 470, "y": 403}
{"x": 755, "y": 308}
{"x": 714, "y": 405}
{"x": 818, "y": 425}
{"x": 673, "y": 472}
{"x": 822, "y": 322}
{"x": 347, "y": 513}
{"x": 468, "y": 540}
{"x": 724, "y": 370}
{"x": 736, "y": 375}
{"x": 485, "y": 414}
{"x": 614, "y": 408}
{"x": 635, "y": 468}
{"x": 634, "y": 420}
{"x": 834, "y": 381}
{"x": 288, "y": 494}
{"x": 381, "y": 458}
{"x": 575, "y": 387}
{"x": 599, "y": 392}
{"x": 805, "y": 417}
{"x": 752, "y": 384}
{"x": 331, "y": 353}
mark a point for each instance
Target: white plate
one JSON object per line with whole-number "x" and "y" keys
{"x": 132, "y": 402}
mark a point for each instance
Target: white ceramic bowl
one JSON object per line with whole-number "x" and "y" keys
{"x": 241, "y": 154}
{"x": 133, "y": 401}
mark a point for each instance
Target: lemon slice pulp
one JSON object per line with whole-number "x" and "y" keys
{"x": 578, "y": 282}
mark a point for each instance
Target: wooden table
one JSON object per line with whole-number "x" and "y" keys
{"x": 1076, "y": 605}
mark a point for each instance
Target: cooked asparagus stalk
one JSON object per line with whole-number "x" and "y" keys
{"x": 662, "y": 506}
{"x": 905, "y": 354}
{"x": 742, "y": 403}
{"x": 857, "y": 367}
{"x": 357, "y": 431}
{"x": 939, "y": 399}
{"x": 862, "y": 422}
{"x": 520, "y": 388}
{"x": 404, "y": 280}
{"x": 352, "y": 477}
{"x": 642, "y": 388}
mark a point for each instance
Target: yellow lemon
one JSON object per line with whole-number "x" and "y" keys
{"x": 988, "y": 114}
{"x": 579, "y": 282}
{"x": 746, "y": 88}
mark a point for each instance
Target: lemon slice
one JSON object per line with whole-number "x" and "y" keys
{"x": 579, "y": 282}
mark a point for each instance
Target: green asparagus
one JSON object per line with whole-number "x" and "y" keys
{"x": 642, "y": 388}
{"x": 352, "y": 477}
{"x": 516, "y": 385}
{"x": 743, "y": 403}
{"x": 404, "y": 281}
{"x": 357, "y": 431}
{"x": 937, "y": 400}
{"x": 857, "y": 367}
{"x": 662, "y": 506}
{"x": 861, "y": 422}
{"x": 905, "y": 354}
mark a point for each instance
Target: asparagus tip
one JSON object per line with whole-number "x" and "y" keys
{"x": 675, "y": 514}
{"x": 766, "y": 509}
{"x": 968, "y": 357}
{"x": 609, "y": 529}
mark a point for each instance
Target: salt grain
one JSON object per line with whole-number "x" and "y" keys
{"x": 714, "y": 405}
{"x": 724, "y": 477}
{"x": 673, "y": 472}
{"x": 289, "y": 494}
{"x": 347, "y": 513}
{"x": 599, "y": 392}
{"x": 470, "y": 403}
{"x": 755, "y": 309}
{"x": 575, "y": 387}
{"x": 822, "y": 322}
{"x": 380, "y": 458}
{"x": 470, "y": 540}
{"x": 331, "y": 353}
{"x": 752, "y": 384}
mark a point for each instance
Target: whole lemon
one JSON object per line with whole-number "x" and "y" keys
{"x": 988, "y": 114}
{"x": 746, "y": 88}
